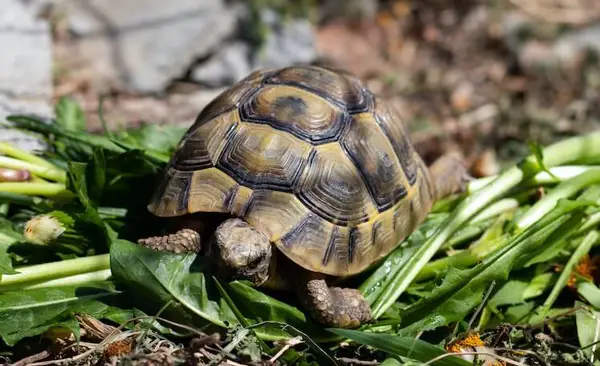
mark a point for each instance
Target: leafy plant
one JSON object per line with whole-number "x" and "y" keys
{"x": 480, "y": 259}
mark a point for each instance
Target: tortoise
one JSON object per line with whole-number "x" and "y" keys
{"x": 315, "y": 180}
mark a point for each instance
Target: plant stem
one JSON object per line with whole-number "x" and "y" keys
{"x": 43, "y": 171}
{"x": 590, "y": 239}
{"x": 463, "y": 259}
{"x": 15, "y": 152}
{"x": 19, "y": 199}
{"x": 562, "y": 152}
{"x": 592, "y": 221}
{"x": 495, "y": 209}
{"x": 564, "y": 190}
{"x": 79, "y": 279}
{"x": 34, "y": 189}
{"x": 53, "y": 270}
{"x": 542, "y": 178}
{"x": 112, "y": 212}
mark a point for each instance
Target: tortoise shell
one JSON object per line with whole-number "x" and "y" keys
{"x": 309, "y": 157}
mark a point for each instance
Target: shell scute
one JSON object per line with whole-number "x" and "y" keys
{"x": 297, "y": 111}
{"x": 170, "y": 197}
{"x": 332, "y": 187}
{"x": 261, "y": 157}
{"x": 340, "y": 87}
{"x": 374, "y": 156}
{"x": 388, "y": 118}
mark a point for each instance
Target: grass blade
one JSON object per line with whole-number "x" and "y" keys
{"x": 415, "y": 349}
{"x": 563, "y": 152}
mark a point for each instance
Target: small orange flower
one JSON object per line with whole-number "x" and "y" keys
{"x": 474, "y": 344}
{"x": 458, "y": 346}
{"x": 586, "y": 268}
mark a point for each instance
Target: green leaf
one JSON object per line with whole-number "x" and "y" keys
{"x": 515, "y": 314}
{"x": 539, "y": 284}
{"x": 588, "y": 327}
{"x": 8, "y": 236}
{"x": 96, "y": 176}
{"x": 256, "y": 306}
{"x": 390, "y": 362}
{"x": 590, "y": 292}
{"x": 375, "y": 284}
{"x": 75, "y": 139}
{"x": 538, "y": 152}
{"x": 160, "y": 138}
{"x": 585, "y": 246}
{"x": 517, "y": 291}
{"x": 96, "y": 228}
{"x": 462, "y": 291}
{"x": 409, "y": 347}
{"x": 319, "y": 352}
{"x": 28, "y": 313}
{"x": 70, "y": 115}
{"x": 510, "y": 294}
{"x": 158, "y": 278}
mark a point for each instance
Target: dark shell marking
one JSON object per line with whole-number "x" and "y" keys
{"x": 309, "y": 157}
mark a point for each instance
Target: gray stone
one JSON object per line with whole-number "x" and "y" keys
{"x": 143, "y": 44}
{"x": 228, "y": 65}
{"x": 40, "y": 7}
{"x": 26, "y": 62}
{"x": 25, "y": 69}
{"x": 573, "y": 43}
{"x": 288, "y": 42}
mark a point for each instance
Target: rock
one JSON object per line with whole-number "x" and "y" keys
{"x": 141, "y": 45}
{"x": 569, "y": 47}
{"x": 25, "y": 69}
{"x": 566, "y": 52}
{"x": 287, "y": 42}
{"x": 228, "y": 65}
{"x": 40, "y": 7}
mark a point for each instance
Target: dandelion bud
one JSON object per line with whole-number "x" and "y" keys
{"x": 43, "y": 229}
{"x": 14, "y": 175}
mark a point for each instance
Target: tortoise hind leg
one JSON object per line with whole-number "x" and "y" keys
{"x": 449, "y": 175}
{"x": 332, "y": 306}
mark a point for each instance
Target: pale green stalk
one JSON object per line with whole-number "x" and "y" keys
{"x": 495, "y": 209}
{"x": 53, "y": 270}
{"x": 12, "y": 151}
{"x": 541, "y": 178}
{"x": 590, "y": 239}
{"x": 79, "y": 279}
{"x": 51, "y": 173}
{"x": 560, "y": 153}
{"x": 592, "y": 221}
{"x": 34, "y": 189}
{"x": 563, "y": 190}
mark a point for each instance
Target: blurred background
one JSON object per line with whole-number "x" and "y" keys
{"x": 482, "y": 77}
